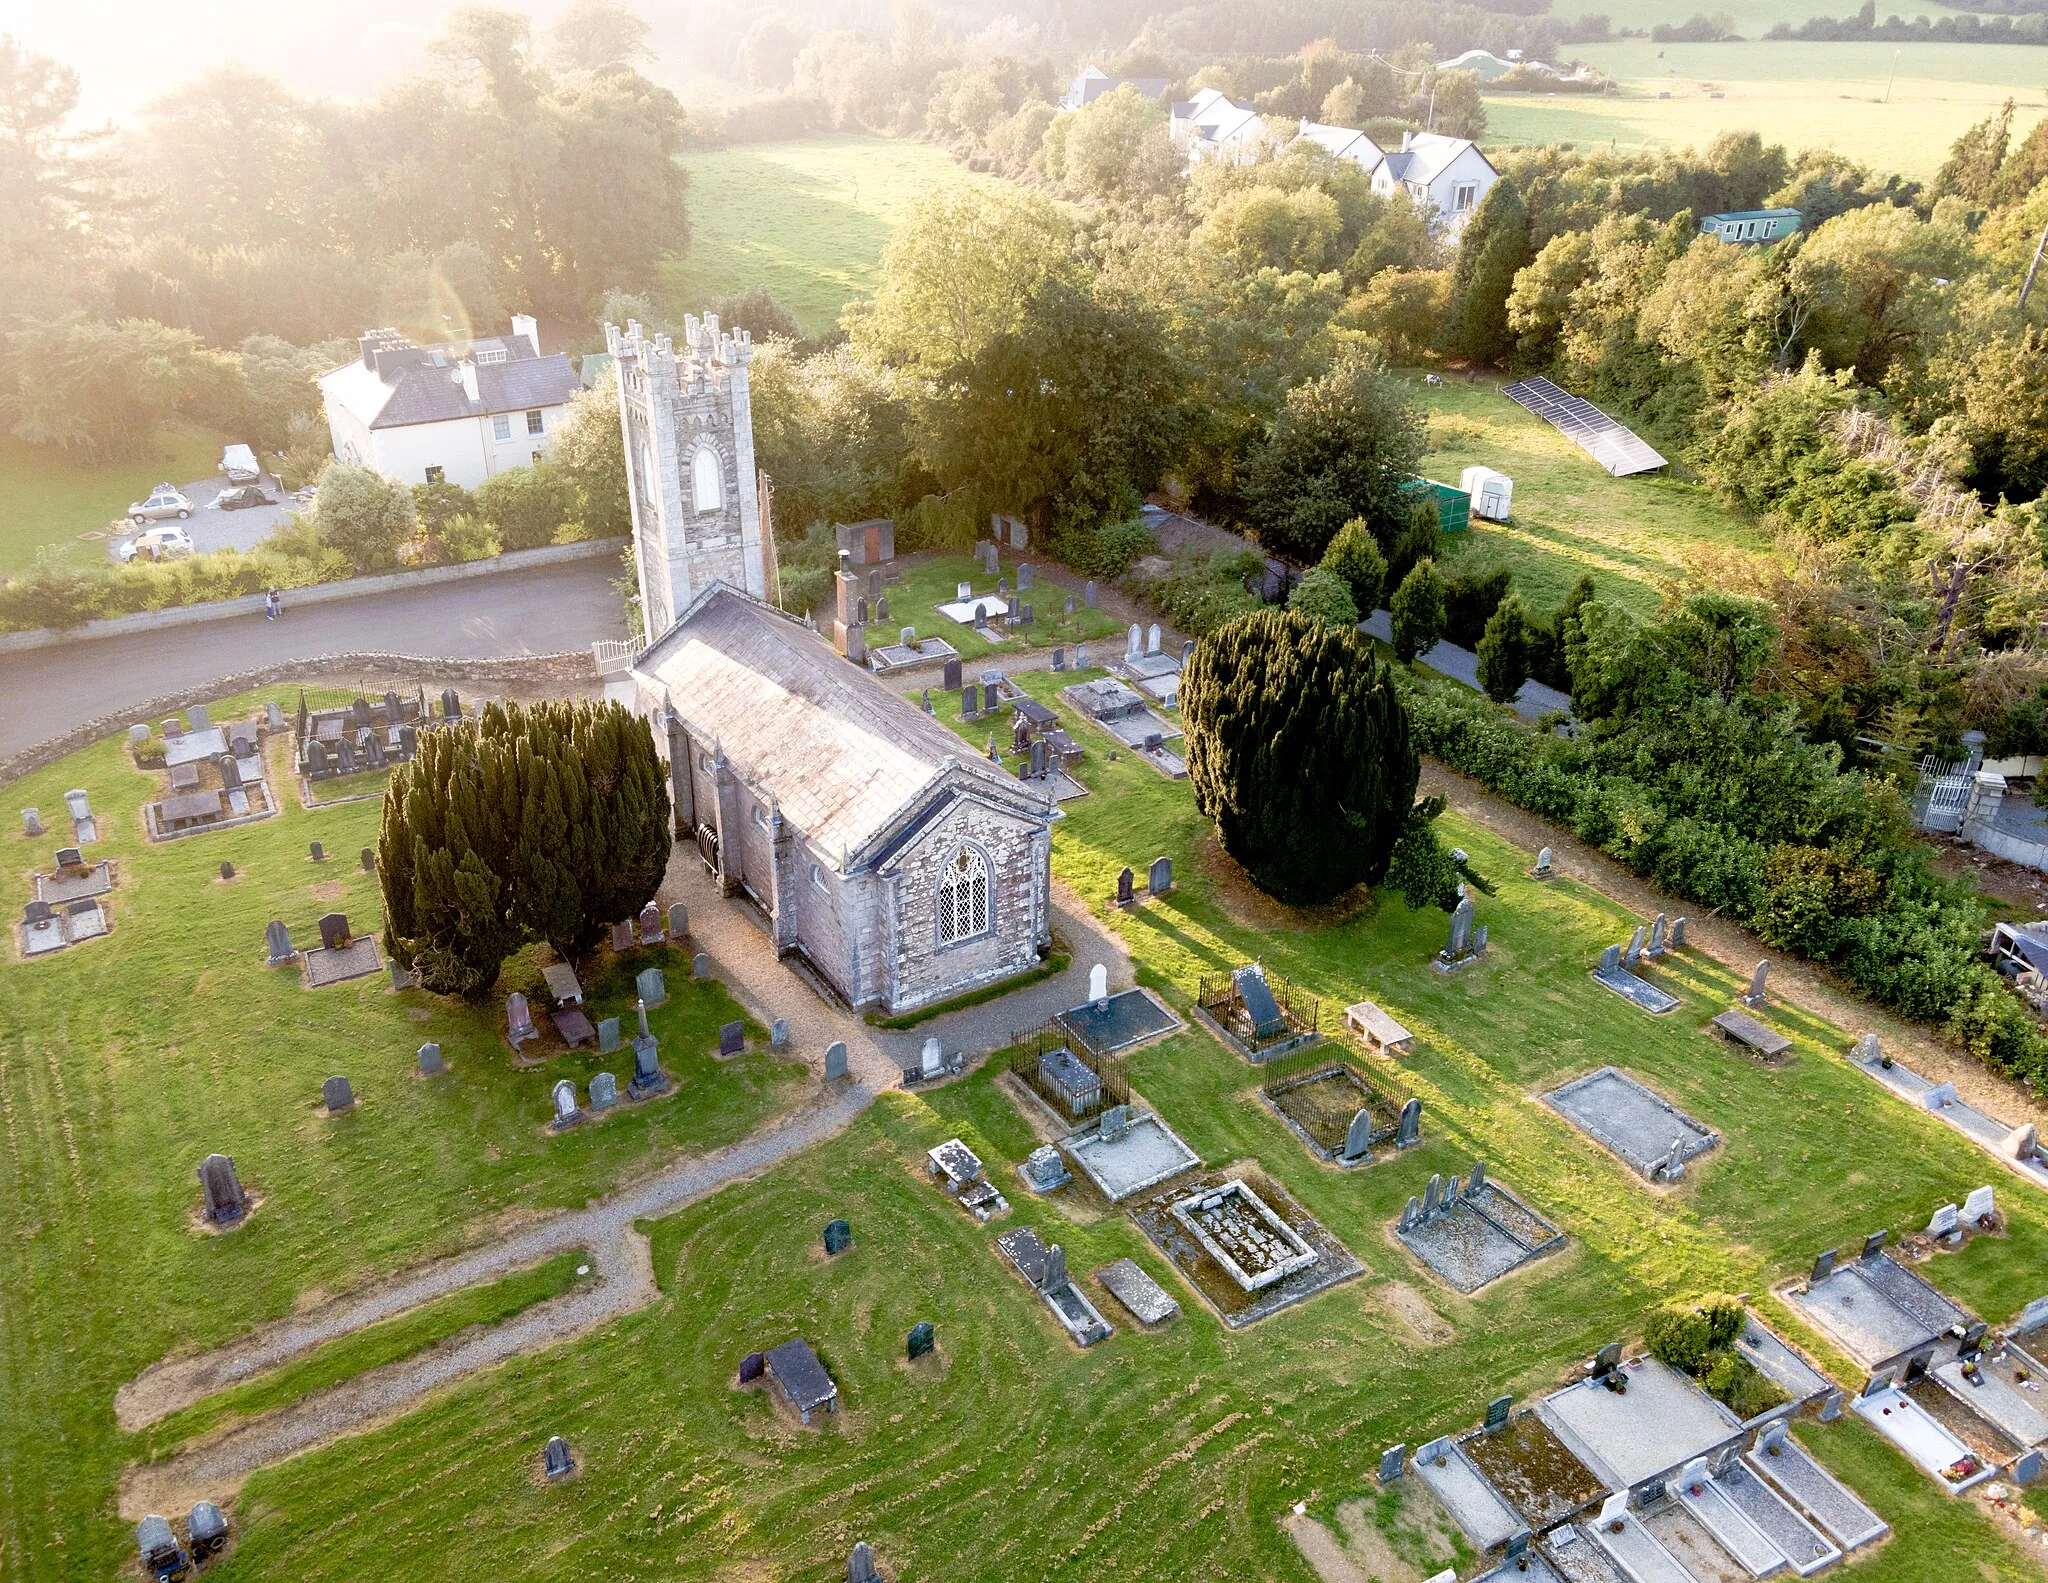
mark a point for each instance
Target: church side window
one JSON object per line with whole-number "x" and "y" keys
{"x": 706, "y": 492}
{"x": 964, "y": 909}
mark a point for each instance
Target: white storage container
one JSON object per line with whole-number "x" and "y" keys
{"x": 1492, "y": 492}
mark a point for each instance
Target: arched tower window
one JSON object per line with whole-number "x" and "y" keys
{"x": 965, "y": 908}
{"x": 706, "y": 490}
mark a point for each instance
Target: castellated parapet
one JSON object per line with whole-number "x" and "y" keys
{"x": 689, "y": 436}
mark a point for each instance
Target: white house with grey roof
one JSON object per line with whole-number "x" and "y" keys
{"x": 1445, "y": 177}
{"x": 878, "y": 848}
{"x": 1213, "y": 126}
{"x": 420, "y": 414}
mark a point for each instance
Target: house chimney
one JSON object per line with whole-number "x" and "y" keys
{"x": 525, "y": 324}
{"x": 466, "y": 372}
{"x": 1407, "y": 140}
{"x": 369, "y": 345}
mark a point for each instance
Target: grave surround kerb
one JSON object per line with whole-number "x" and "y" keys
{"x": 1255, "y": 1224}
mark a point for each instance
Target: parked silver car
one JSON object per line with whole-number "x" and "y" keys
{"x": 164, "y": 502}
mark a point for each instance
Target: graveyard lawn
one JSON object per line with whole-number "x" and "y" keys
{"x": 123, "y": 1066}
{"x": 340, "y": 788}
{"x": 932, "y": 580}
{"x": 1195, "y": 1438}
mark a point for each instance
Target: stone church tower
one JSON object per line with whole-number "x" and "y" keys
{"x": 689, "y": 429}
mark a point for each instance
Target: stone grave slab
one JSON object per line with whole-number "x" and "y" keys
{"x": 1146, "y": 1153}
{"x": 1474, "y": 1505}
{"x": 1045, "y": 1269}
{"x": 1817, "y": 1492}
{"x": 1745, "y": 1032}
{"x": 326, "y": 965}
{"x": 1146, "y": 1300}
{"x": 85, "y": 920}
{"x": 58, "y": 889}
{"x": 1533, "y": 1470}
{"x": 1779, "y": 1364}
{"x": 42, "y": 930}
{"x": 573, "y": 1025}
{"x": 1476, "y": 1238}
{"x": 1880, "y": 1312}
{"x": 1645, "y": 1131}
{"x": 1123, "y": 1021}
{"x": 1639, "y": 993}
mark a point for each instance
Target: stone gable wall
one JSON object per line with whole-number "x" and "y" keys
{"x": 919, "y": 969}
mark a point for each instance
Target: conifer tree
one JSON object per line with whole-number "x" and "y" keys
{"x": 1492, "y": 251}
{"x": 1504, "y": 650}
{"x": 1418, "y": 612}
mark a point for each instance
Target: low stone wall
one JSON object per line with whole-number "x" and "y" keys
{"x": 318, "y": 594}
{"x": 534, "y": 673}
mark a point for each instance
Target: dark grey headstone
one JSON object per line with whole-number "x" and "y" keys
{"x": 369, "y": 860}
{"x": 337, "y": 1096}
{"x": 227, "y": 869}
{"x": 1874, "y": 1244}
{"x": 1125, "y": 880}
{"x": 752, "y": 1367}
{"x": 732, "y": 1038}
{"x": 1023, "y": 576}
{"x": 1411, "y": 1124}
{"x": 607, "y": 1035}
{"x": 277, "y": 942}
{"x": 230, "y": 772}
{"x": 970, "y": 701}
{"x": 1393, "y": 1463}
{"x": 949, "y": 679}
{"x": 920, "y": 1341}
{"x": 835, "y": 1059}
{"x": 555, "y": 1459}
{"x": 860, "y": 1566}
{"x": 1497, "y": 1411}
{"x": 1059, "y": 655}
{"x": 225, "y": 1202}
{"x": 316, "y": 852}
{"x": 838, "y": 1236}
{"x": 1823, "y": 1267}
{"x": 208, "y": 1528}
{"x": 700, "y": 966}
{"x": 334, "y": 935}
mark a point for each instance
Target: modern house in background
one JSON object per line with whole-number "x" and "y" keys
{"x": 1445, "y": 177}
{"x": 1344, "y": 142}
{"x": 1093, "y": 83}
{"x": 1213, "y": 126}
{"x": 422, "y": 414}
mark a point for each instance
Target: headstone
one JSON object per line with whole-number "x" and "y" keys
{"x": 1098, "y": 985}
{"x": 1026, "y": 615}
{"x": 31, "y": 821}
{"x": 1823, "y": 1267}
{"x": 778, "y": 1034}
{"x": 408, "y": 742}
{"x": 732, "y": 1038}
{"x": 981, "y": 617}
{"x": 1081, "y": 657}
{"x": 932, "y": 1060}
{"x": 1002, "y": 588}
{"x": 835, "y": 1059}
{"x": 227, "y": 869}
{"x": 430, "y": 1059}
{"x": 1187, "y": 652}
{"x": 225, "y": 1202}
{"x": 1980, "y": 1205}
{"x": 1152, "y": 639}
{"x": 1610, "y": 960}
{"x": 752, "y": 1367}
{"x": 963, "y": 590}
{"x": 1393, "y": 1463}
{"x": 1020, "y": 733}
{"x": 79, "y": 805}
{"x": 1044, "y": 1169}
{"x": 1023, "y": 577}
{"x": 920, "y": 1341}
{"x": 1478, "y": 1179}
{"x": 1134, "y": 644}
{"x": 337, "y": 1096}
{"x": 622, "y": 936}
{"x": 1059, "y": 656}
{"x": 2023, "y": 1143}
{"x": 1461, "y": 930}
{"x": 230, "y": 772}
{"x": 1412, "y": 1213}
{"x": 700, "y": 966}
{"x": 277, "y": 943}
{"x": 1634, "y": 953}
{"x": 567, "y": 1112}
{"x": 70, "y": 860}
{"x": 604, "y": 1091}
{"x": 1607, "y": 1360}
{"x": 345, "y": 756}
{"x": 838, "y": 1236}
{"x": 927, "y": 700}
{"x": 1124, "y": 881}
{"x": 1433, "y": 1195}
{"x": 1088, "y": 595}
{"x": 1944, "y": 1222}
{"x": 1497, "y": 1411}
{"x": 1677, "y": 934}
{"x": 1831, "y": 1405}
{"x": 860, "y": 1566}
{"x": 607, "y": 1035}
{"x": 1479, "y": 941}
{"x": 208, "y": 1528}
{"x": 316, "y": 760}
{"x": 555, "y": 1460}
{"x": 1655, "y": 944}
{"x": 315, "y": 852}
{"x": 334, "y": 935}
{"x": 970, "y": 702}
{"x": 1055, "y": 1274}
{"x": 373, "y": 753}
{"x": 1358, "y": 1137}
{"x": 1069, "y": 605}
{"x": 1873, "y": 1244}
{"x": 651, "y": 932}
{"x": 1159, "y": 880}
{"x": 1866, "y": 1051}
{"x": 518, "y": 1019}
{"x": 1411, "y": 1124}
{"x": 949, "y": 678}
{"x": 1115, "y": 1123}
{"x": 650, "y": 986}
{"x": 1041, "y": 760}
{"x": 1755, "y": 995}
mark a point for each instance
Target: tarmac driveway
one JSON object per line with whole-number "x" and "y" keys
{"x": 214, "y": 529}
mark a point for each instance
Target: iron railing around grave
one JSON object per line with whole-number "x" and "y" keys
{"x": 1286, "y": 1070}
{"x": 1219, "y": 996}
{"x": 1027, "y": 1049}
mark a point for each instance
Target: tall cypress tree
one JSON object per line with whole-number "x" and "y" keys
{"x": 1492, "y": 251}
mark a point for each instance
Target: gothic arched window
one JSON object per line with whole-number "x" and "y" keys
{"x": 706, "y": 491}
{"x": 965, "y": 908}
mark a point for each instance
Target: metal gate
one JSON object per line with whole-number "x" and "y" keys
{"x": 1942, "y": 797}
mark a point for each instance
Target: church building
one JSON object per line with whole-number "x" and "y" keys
{"x": 879, "y": 848}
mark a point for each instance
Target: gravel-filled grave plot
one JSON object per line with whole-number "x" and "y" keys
{"x": 1477, "y": 1238}
{"x": 1650, "y": 1135}
{"x": 1320, "y": 1106}
{"x": 1292, "y": 1242}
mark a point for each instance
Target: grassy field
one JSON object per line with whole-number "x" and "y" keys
{"x": 1798, "y": 94}
{"x": 49, "y": 501}
{"x": 929, "y": 582}
{"x": 124, "y": 1061}
{"x": 1569, "y": 516}
{"x": 806, "y": 219}
{"x": 1008, "y": 1450}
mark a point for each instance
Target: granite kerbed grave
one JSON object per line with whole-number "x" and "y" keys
{"x": 340, "y": 955}
{"x": 1785, "y": 1368}
{"x": 1125, "y": 715}
{"x": 1144, "y": 1298}
{"x": 1322, "y": 1108}
{"x": 1472, "y": 1502}
{"x": 1533, "y": 1470}
{"x": 1987, "y": 1440}
{"x": 1636, "y": 1437}
{"x": 1045, "y": 1270}
{"x": 46, "y": 928}
{"x": 1646, "y": 1132}
{"x": 365, "y": 734}
{"x": 1824, "y": 1499}
{"x": 1742, "y": 1030}
{"x": 1292, "y": 1257}
{"x": 1790, "y": 1532}
{"x": 1610, "y": 974}
{"x": 2018, "y": 1147}
{"x": 64, "y": 887}
{"x": 909, "y": 652}
{"x": 1576, "y": 1559}
{"x": 1128, "y": 1152}
{"x": 1880, "y": 1312}
{"x": 1471, "y": 1235}
{"x": 1927, "y": 1443}
{"x": 1121, "y": 1021}
{"x": 2003, "y": 1384}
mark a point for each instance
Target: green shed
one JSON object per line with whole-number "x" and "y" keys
{"x": 1453, "y": 505}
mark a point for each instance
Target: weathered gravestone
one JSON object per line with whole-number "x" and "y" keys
{"x": 1610, "y": 960}
{"x": 650, "y": 986}
{"x": 1020, "y": 733}
{"x": 567, "y": 1112}
{"x": 1358, "y": 1136}
{"x": 1755, "y": 994}
{"x": 1152, "y": 639}
{"x": 838, "y": 1236}
{"x": 277, "y": 941}
{"x": 1081, "y": 659}
{"x": 732, "y": 1038}
{"x": 622, "y": 936}
{"x": 1655, "y": 944}
{"x": 1411, "y": 1125}
{"x": 1159, "y": 880}
{"x": 1088, "y": 595}
{"x": 860, "y": 1566}
{"x": 700, "y": 966}
{"x": 1023, "y": 577}
{"x": 607, "y": 1035}
{"x": 1543, "y": 868}
{"x": 334, "y": 935}
{"x": 430, "y": 1059}
{"x": 555, "y": 1459}
{"x": 932, "y": 1060}
{"x": 1134, "y": 644}
{"x": 920, "y": 1341}
{"x": 604, "y": 1091}
{"x": 970, "y": 705}
{"x": 225, "y": 1202}
{"x": 369, "y": 861}
{"x": 518, "y": 1020}
{"x": 1393, "y": 1463}
{"x": 337, "y": 1096}
{"x": 678, "y": 921}
{"x": 778, "y": 1034}
{"x": 1041, "y": 760}
{"x": 1125, "y": 894}
{"x": 1634, "y": 953}
{"x": 227, "y": 869}
{"x": 835, "y": 1060}
{"x": 31, "y": 821}
{"x": 208, "y": 1528}
{"x": 651, "y": 932}
{"x": 315, "y": 852}
{"x": 949, "y": 678}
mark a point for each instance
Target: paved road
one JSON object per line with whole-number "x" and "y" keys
{"x": 547, "y": 610}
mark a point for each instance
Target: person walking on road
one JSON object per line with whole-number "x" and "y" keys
{"x": 270, "y": 605}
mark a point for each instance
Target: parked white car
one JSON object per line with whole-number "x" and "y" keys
{"x": 165, "y": 542}
{"x": 240, "y": 464}
{"x": 163, "y": 502}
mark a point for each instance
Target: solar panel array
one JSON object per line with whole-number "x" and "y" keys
{"x": 1613, "y": 445}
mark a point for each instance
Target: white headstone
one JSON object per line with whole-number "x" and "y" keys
{"x": 565, "y": 1102}
{"x": 1134, "y": 645}
{"x": 934, "y": 1057}
{"x": 1614, "y": 1508}
{"x": 1543, "y": 861}
{"x": 1944, "y": 1221}
{"x": 1981, "y": 1202}
{"x": 1152, "y": 639}
{"x": 1098, "y": 984}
